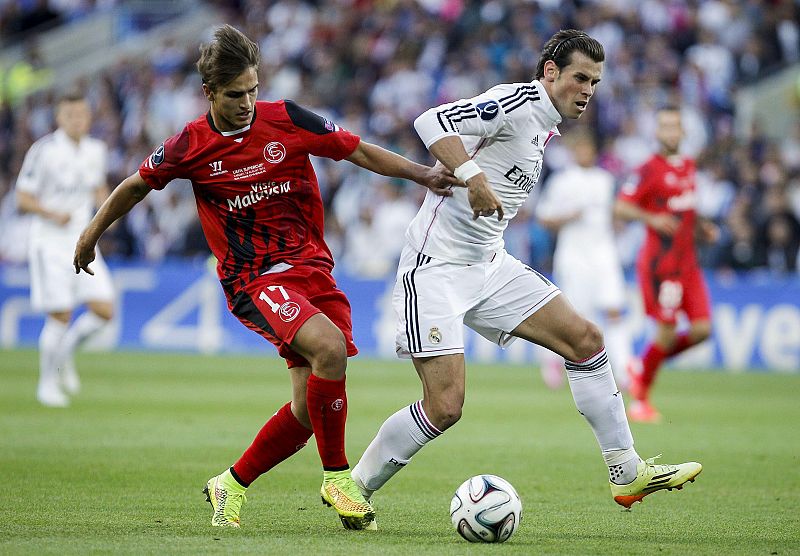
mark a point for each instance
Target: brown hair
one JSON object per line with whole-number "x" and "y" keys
{"x": 226, "y": 57}
{"x": 561, "y": 46}
{"x": 668, "y": 108}
{"x": 73, "y": 94}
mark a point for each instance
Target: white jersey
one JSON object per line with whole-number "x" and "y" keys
{"x": 589, "y": 191}
{"x": 585, "y": 263}
{"x": 505, "y": 130}
{"x": 63, "y": 176}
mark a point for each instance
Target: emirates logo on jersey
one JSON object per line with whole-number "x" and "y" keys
{"x": 274, "y": 152}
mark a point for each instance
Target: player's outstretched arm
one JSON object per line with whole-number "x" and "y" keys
{"x": 377, "y": 159}
{"x": 132, "y": 190}
{"x": 663, "y": 223}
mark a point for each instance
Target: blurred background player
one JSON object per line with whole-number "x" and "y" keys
{"x": 62, "y": 181}
{"x": 577, "y": 203}
{"x": 670, "y": 278}
{"x": 261, "y": 211}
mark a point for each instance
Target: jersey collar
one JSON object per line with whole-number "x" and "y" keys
{"x": 549, "y": 108}
{"x": 210, "y": 121}
{"x": 62, "y": 137}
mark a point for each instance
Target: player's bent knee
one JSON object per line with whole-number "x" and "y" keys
{"x": 330, "y": 355}
{"x": 701, "y": 332}
{"x": 445, "y": 414}
{"x": 105, "y": 315}
{"x": 102, "y": 309}
{"x": 590, "y": 341}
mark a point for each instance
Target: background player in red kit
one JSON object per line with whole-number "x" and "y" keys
{"x": 261, "y": 212}
{"x": 669, "y": 274}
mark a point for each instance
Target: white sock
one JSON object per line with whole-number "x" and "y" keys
{"x": 599, "y": 400}
{"x": 50, "y": 343}
{"x": 81, "y": 330}
{"x": 622, "y": 473}
{"x": 619, "y": 348}
{"x": 400, "y": 437}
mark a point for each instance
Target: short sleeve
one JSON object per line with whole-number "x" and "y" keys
{"x": 166, "y": 163}
{"x": 320, "y": 136}
{"x": 31, "y": 174}
{"x": 483, "y": 116}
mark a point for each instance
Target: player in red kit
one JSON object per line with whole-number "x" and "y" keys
{"x": 261, "y": 212}
{"x": 669, "y": 275}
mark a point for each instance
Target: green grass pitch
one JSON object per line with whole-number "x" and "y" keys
{"x": 121, "y": 471}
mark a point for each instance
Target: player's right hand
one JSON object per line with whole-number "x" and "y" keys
{"x": 60, "y": 218}
{"x": 663, "y": 223}
{"x": 440, "y": 180}
{"x": 84, "y": 255}
{"x": 482, "y": 198}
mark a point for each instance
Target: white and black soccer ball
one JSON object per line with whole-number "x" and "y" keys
{"x": 486, "y": 508}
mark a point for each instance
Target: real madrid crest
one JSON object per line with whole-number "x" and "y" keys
{"x": 434, "y": 336}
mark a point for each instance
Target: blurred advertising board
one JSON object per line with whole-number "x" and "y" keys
{"x": 179, "y": 306}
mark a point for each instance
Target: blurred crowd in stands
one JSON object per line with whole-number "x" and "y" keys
{"x": 373, "y": 66}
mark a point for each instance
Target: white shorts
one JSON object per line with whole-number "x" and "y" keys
{"x": 592, "y": 286}
{"x": 55, "y": 286}
{"x": 433, "y": 299}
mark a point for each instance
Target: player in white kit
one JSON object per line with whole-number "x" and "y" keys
{"x": 62, "y": 181}
{"x": 577, "y": 203}
{"x": 454, "y": 271}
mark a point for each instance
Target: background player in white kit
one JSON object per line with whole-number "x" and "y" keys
{"x": 577, "y": 203}
{"x": 454, "y": 271}
{"x": 62, "y": 181}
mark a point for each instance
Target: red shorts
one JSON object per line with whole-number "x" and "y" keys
{"x": 276, "y": 306}
{"x": 665, "y": 297}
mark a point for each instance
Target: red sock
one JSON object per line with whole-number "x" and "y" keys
{"x": 279, "y": 438}
{"x": 651, "y": 361}
{"x": 327, "y": 408}
{"x": 682, "y": 343}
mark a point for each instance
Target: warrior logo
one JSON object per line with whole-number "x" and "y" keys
{"x": 337, "y": 404}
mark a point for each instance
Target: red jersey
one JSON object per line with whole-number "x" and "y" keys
{"x": 256, "y": 191}
{"x": 666, "y": 186}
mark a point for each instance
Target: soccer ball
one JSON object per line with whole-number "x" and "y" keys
{"x": 486, "y": 508}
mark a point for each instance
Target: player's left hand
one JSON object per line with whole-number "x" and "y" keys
{"x": 440, "y": 180}
{"x": 84, "y": 255}
{"x": 709, "y": 231}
